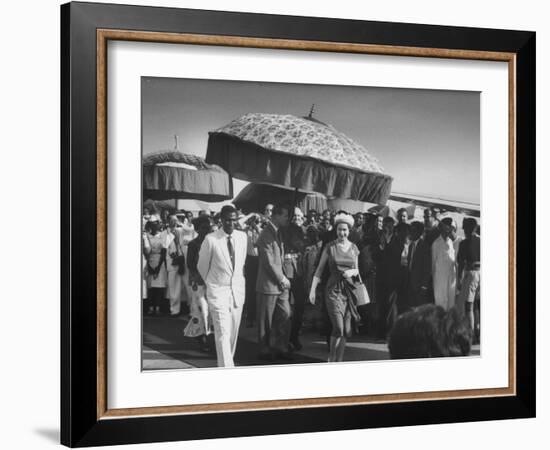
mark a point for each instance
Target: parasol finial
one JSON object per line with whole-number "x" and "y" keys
{"x": 311, "y": 111}
{"x": 175, "y": 141}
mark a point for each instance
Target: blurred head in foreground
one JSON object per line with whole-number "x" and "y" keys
{"x": 429, "y": 331}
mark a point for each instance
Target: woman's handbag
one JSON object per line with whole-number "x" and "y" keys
{"x": 359, "y": 291}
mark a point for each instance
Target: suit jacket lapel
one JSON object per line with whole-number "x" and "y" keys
{"x": 225, "y": 250}
{"x": 277, "y": 235}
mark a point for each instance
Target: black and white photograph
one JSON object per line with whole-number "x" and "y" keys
{"x": 299, "y": 223}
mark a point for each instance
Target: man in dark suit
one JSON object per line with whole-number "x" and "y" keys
{"x": 388, "y": 259}
{"x": 294, "y": 246}
{"x": 272, "y": 287}
{"x": 419, "y": 265}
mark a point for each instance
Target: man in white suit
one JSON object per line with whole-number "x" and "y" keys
{"x": 221, "y": 266}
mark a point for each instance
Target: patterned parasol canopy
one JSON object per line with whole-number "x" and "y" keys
{"x": 175, "y": 175}
{"x": 298, "y": 152}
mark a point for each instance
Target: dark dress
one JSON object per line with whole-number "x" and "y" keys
{"x": 339, "y": 301}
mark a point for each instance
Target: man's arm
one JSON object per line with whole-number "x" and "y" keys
{"x": 266, "y": 253}
{"x": 205, "y": 258}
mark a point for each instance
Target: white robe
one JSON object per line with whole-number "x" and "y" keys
{"x": 225, "y": 289}
{"x": 175, "y": 281}
{"x": 444, "y": 271}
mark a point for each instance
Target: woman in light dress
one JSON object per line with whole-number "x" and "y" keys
{"x": 342, "y": 258}
{"x": 199, "y": 324}
{"x": 155, "y": 254}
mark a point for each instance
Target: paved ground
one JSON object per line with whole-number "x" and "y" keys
{"x": 165, "y": 347}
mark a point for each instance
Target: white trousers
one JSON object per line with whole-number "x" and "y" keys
{"x": 174, "y": 291}
{"x": 226, "y": 323}
{"x": 445, "y": 286}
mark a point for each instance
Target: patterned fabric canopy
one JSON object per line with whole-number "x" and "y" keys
{"x": 175, "y": 175}
{"x": 255, "y": 196}
{"x": 302, "y": 137}
{"x": 300, "y": 153}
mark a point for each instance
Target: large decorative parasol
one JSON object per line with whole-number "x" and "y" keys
{"x": 255, "y": 196}
{"x": 175, "y": 175}
{"x": 298, "y": 152}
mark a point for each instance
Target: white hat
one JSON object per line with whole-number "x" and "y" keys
{"x": 344, "y": 218}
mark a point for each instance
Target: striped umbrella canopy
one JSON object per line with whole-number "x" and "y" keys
{"x": 174, "y": 175}
{"x": 301, "y": 153}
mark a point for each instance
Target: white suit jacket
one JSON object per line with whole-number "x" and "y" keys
{"x": 224, "y": 286}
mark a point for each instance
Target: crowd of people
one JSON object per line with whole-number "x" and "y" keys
{"x": 358, "y": 274}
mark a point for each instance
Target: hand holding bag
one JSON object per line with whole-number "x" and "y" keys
{"x": 359, "y": 291}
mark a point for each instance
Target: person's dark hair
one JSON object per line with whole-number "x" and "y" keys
{"x": 227, "y": 209}
{"x": 201, "y": 221}
{"x": 429, "y": 331}
{"x": 400, "y": 210}
{"x": 469, "y": 225}
{"x": 279, "y": 208}
{"x": 149, "y": 224}
{"x": 447, "y": 221}
{"x": 388, "y": 219}
{"x": 417, "y": 226}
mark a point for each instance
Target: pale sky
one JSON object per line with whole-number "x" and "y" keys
{"x": 428, "y": 140}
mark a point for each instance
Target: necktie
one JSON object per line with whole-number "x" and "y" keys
{"x": 231, "y": 252}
